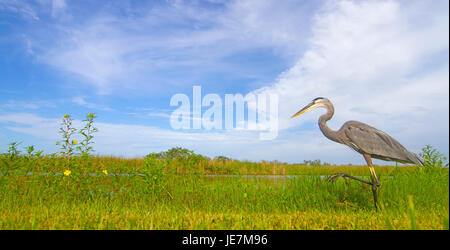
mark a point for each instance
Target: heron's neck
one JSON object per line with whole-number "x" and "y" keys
{"x": 329, "y": 133}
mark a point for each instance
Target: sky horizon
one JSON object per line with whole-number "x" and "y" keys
{"x": 384, "y": 63}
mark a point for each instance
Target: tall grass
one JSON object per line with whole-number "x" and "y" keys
{"x": 163, "y": 199}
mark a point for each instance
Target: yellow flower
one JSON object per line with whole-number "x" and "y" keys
{"x": 74, "y": 141}
{"x": 67, "y": 172}
{"x": 105, "y": 172}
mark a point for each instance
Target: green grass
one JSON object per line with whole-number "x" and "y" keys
{"x": 174, "y": 195}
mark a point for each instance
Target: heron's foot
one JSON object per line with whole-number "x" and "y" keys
{"x": 333, "y": 177}
{"x": 375, "y": 184}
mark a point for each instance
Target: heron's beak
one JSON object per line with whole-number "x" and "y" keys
{"x": 303, "y": 110}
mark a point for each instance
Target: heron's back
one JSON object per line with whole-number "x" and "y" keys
{"x": 366, "y": 139}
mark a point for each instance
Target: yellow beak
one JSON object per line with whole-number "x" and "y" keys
{"x": 303, "y": 110}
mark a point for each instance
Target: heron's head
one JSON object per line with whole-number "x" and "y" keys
{"x": 316, "y": 103}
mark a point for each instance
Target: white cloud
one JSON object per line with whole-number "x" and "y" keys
{"x": 33, "y": 9}
{"x": 111, "y": 51}
{"x": 279, "y": 24}
{"x": 58, "y": 7}
{"x": 82, "y": 102}
{"x": 18, "y": 105}
{"x": 23, "y": 118}
{"x": 31, "y": 124}
{"x": 15, "y": 105}
{"x": 159, "y": 114}
{"x": 19, "y": 7}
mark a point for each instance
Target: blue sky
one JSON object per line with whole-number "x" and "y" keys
{"x": 384, "y": 63}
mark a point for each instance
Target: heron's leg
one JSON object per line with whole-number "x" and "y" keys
{"x": 375, "y": 181}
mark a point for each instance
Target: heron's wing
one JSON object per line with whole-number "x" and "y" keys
{"x": 378, "y": 144}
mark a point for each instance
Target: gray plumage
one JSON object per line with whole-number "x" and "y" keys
{"x": 366, "y": 139}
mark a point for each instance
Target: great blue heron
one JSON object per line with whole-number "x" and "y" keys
{"x": 368, "y": 141}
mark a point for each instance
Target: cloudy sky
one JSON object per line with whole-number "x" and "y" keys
{"x": 384, "y": 63}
